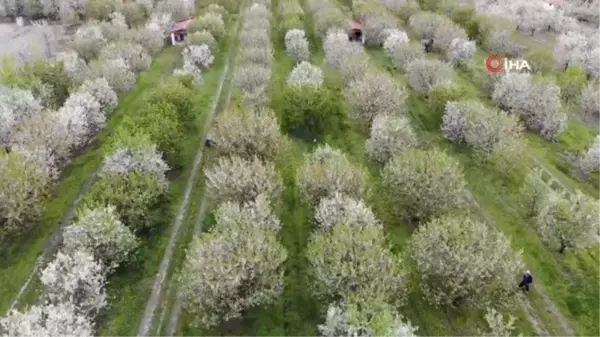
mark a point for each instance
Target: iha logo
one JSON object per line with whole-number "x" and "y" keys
{"x": 496, "y": 63}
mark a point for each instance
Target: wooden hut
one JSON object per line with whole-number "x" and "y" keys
{"x": 356, "y": 31}
{"x": 180, "y": 30}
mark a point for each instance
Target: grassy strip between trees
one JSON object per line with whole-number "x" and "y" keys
{"x": 16, "y": 267}
{"x": 129, "y": 289}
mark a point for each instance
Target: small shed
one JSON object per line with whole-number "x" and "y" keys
{"x": 180, "y": 30}
{"x": 356, "y": 31}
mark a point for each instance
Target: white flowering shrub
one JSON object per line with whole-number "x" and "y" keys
{"x": 337, "y": 47}
{"x": 88, "y": 40}
{"x": 211, "y": 22}
{"x": 373, "y": 94}
{"x": 23, "y": 189}
{"x": 327, "y": 170}
{"x": 305, "y": 73}
{"x": 255, "y": 213}
{"x": 16, "y": 106}
{"x": 354, "y": 67}
{"x": 375, "y": 28}
{"x": 102, "y": 92}
{"x": 248, "y": 134}
{"x": 230, "y": 270}
{"x": 200, "y": 56}
{"x": 253, "y": 78}
{"x": 77, "y": 278}
{"x": 160, "y": 23}
{"x": 425, "y": 24}
{"x": 45, "y": 140}
{"x": 239, "y": 179}
{"x": 134, "y": 55}
{"x": 497, "y": 326}
{"x": 445, "y": 34}
{"x": 480, "y": 127}
{"x": 424, "y": 183}
{"x": 394, "y": 38}
{"x": 341, "y": 209}
{"x": 101, "y": 232}
{"x": 189, "y": 69}
{"x": 590, "y": 101}
{"x": 533, "y": 191}
{"x": 500, "y": 42}
{"x": 258, "y": 56}
{"x": 350, "y": 259}
{"x": 47, "y": 320}
{"x": 461, "y": 51}
{"x": 204, "y": 37}
{"x": 82, "y": 116}
{"x": 463, "y": 261}
{"x": 151, "y": 40}
{"x": 567, "y": 221}
{"x": 255, "y": 38}
{"x": 117, "y": 73}
{"x": 258, "y": 11}
{"x": 569, "y": 49}
{"x": 403, "y": 54}
{"x": 114, "y": 28}
{"x": 390, "y": 135}
{"x": 74, "y": 66}
{"x": 536, "y": 103}
{"x": 133, "y": 155}
{"x": 424, "y": 74}
{"x": 590, "y": 162}
{"x": 296, "y": 45}
{"x": 368, "y": 317}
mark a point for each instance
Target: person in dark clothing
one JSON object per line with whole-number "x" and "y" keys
{"x": 527, "y": 280}
{"x": 209, "y": 142}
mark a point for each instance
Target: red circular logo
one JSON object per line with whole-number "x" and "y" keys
{"x": 494, "y": 63}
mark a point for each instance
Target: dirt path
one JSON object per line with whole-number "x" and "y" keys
{"x": 159, "y": 281}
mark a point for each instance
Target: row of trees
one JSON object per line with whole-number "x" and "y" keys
{"x": 53, "y": 109}
{"x": 237, "y": 265}
{"x": 127, "y": 201}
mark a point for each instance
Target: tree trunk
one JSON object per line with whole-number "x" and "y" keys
{"x": 562, "y": 248}
{"x": 532, "y": 32}
{"x": 566, "y": 66}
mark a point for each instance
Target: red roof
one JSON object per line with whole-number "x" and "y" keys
{"x": 182, "y": 24}
{"x": 357, "y": 24}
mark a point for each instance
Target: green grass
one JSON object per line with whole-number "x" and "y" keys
{"x": 18, "y": 264}
{"x": 130, "y": 287}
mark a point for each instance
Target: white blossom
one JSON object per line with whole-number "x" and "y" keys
{"x": 189, "y": 69}
{"x": 160, "y": 22}
{"x": 424, "y": 183}
{"x": 305, "y": 73}
{"x": 389, "y": 135}
{"x": 327, "y": 170}
{"x": 102, "y": 92}
{"x": 296, "y": 45}
{"x": 75, "y": 66}
{"x": 394, "y": 39}
{"x": 133, "y": 54}
{"x": 351, "y": 259}
{"x": 229, "y": 271}
{"x": 590, "y": 101}
{"x": 200, "y": 56}
{"x": 248, "y": 133}
{"x": 127, "y": 158}
{"x": 460, "y": 260}
{"x": 100, "y": 231}
{"x": 243, "y": 180}
{"x": 373, "y": 94}
{"x": 88, "y": 40}
{"x": 424, "y": 74}
{"x": 255, "y": 213}
{"x": 461, "y": 51}
{"x": 77, "y": 278}
{"x": 16, "y": 106}
{"x": 590, "y": 162}
{"x": 403, "y": 54}
{"x": 337, "y": 47}
{"x": 82, "y": 115}
{"x": 497, "y": 326}
{"x": 116, "y": 71}
{"x": 59, "y": 319}
{"x": 340, "y": 209}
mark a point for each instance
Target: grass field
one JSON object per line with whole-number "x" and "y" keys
{"x": 16, "y": 266}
